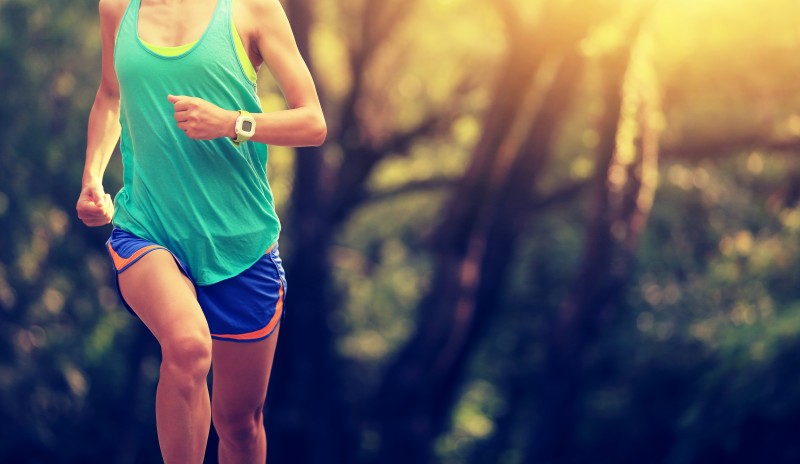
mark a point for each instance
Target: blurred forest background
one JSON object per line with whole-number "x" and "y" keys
{"x": 540, "y": 231}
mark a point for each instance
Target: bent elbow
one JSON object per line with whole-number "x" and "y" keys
{"x": 108, "y": 91}
{"x": 320, "y": 132}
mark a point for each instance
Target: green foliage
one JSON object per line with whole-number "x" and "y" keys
{"x": 698, "y": 363}
{"x": 68, "y": 384}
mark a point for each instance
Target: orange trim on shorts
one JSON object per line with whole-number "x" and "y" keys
{"x": 270, "y": 248}
{"x": 120, "y": 263}
{"x": 263, "y": 332}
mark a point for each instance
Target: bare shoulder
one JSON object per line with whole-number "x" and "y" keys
{"x": 266, "y": 24}
{"x": 262, "y": 10}
{"x": 112, "y": 10}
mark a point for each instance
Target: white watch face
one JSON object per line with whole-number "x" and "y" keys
{"x": 245, "y": 127}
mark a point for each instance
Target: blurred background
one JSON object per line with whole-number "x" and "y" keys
{"x": 540, "y": 231}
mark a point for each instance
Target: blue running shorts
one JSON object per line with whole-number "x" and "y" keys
{"x": 244, "y": 308}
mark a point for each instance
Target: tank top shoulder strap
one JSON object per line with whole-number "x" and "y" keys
{"x": 221, "y": 21}
{"x": 127, "y": 28}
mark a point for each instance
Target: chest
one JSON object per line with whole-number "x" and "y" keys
{"x": 175, "y": 23}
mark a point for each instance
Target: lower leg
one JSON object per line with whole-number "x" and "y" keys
{"x": 183, "y": 418}
{"x": 244, "y": 442}
{"x": 241, "y": 378}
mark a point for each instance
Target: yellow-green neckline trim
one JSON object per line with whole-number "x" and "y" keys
{"x": 170, "y": 50}
{"x": 181, "y": 49}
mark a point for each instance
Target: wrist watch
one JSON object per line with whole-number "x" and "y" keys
{"x": 245, "y": 127}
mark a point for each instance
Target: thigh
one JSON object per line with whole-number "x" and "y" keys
{"x": 162, "y": 296}
{"x": 249, "y": 306}
{"x": 241, "y": 374}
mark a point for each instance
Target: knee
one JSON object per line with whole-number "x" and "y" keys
{"x": 241, "y": 431}
{"x": 187, "y": 360}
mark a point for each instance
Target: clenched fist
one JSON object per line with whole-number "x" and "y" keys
{"x": 203, "y": 120}
{"x": 95, "y": 207}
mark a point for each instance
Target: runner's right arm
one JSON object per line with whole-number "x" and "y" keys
{"x": 94, "y": 206}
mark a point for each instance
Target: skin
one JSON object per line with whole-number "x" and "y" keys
{"x": 159, "y": 293}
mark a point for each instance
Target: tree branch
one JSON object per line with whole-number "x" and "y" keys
{"x": 360, "y": 162}
{"x": 724, "y": 146}
{"x": 433, "y": 123}
{"x": 561, "y": 194}
{"x": 564, "y": 193}
{"x": 414, "y": 186}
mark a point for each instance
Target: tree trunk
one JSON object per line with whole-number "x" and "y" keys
{"x": 623, "y": 191}
{"x": 474, "y": 249}
{"x": 306, "y": 416}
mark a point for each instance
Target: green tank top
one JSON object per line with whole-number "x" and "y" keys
{"x": 207, "y": 201}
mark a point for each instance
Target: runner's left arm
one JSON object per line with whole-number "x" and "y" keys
{"x": 302, "y": 124}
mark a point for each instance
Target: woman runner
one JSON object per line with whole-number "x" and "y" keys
{"x": 195, "y": 238}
